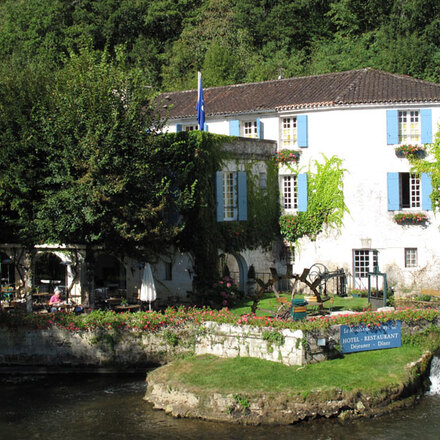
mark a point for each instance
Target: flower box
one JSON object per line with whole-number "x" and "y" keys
{"x": 413, "y": 151}
{"x": 287, "y": 156}
{"x": 411, "y": 218}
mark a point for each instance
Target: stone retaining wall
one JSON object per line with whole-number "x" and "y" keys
{"x": 59, "y": 347}
{"x": 227, "y": 340}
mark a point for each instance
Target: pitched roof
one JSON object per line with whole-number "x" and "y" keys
{"x": 364, "y": 86}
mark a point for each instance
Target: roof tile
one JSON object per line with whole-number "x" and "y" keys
{"x": 365, "y": 86}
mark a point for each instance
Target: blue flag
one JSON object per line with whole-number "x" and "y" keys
{"x": 200, "y": 104}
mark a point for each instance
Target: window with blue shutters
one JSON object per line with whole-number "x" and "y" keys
{"x": 409, "y": 191}
{"x": 409, "y": 126}
{"x": 302, "y": 129}
{"x": 231, "y": 195}
{"x": 294, "y": 192}
{"x": 234, "y": 128}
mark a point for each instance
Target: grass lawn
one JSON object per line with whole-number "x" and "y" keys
{"x": 268, "y": 305}
{"x": 369, "y": 371}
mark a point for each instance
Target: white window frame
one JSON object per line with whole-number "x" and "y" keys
{"x": 289, "y": 192}
{"x": 289, "y": 132}
{"x": 250, "y": 129}
{"x": 364, "y": 261}
{"x": 230, "y": 196}
{"x": 411, "y": 257}
{"x": 414, "y": 189}
{"x": 409, "y": 126}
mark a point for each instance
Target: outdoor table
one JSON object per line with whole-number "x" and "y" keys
{"x": 128, "y": 308}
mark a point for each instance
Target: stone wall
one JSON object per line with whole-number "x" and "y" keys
{"x": 95, "y": 349}
{"x": 226, "y": 340}
{"x": 58, "y": 347}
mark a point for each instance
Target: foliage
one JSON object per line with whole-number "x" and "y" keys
{"x": 170, "y": 318}
{"x": 410, "y": 218}
{"x": 363, "y": 293}
{"x": 430, "y": 165}
{"x": 233, "y": 41}
{"x": 325, "y": 205}
{"x": 273, "y": 337}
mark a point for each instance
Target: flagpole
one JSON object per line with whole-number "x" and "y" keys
{"x": 200, "y": 107}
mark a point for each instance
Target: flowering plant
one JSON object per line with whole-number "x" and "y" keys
{"x": 226, "y": 291}
{"x": 410, "y": 150}
{"x": 286, "y": 156}
{"x": 410, "y": 217}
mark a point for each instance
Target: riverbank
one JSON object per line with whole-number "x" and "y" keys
{"x": 253, "y": 392}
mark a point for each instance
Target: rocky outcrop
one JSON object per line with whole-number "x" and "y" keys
{"x": 283, "y": 408}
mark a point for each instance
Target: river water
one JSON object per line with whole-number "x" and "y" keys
{"x": 110, "y": 407}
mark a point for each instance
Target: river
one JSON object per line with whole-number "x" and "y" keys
{"x": 110, "y": 407}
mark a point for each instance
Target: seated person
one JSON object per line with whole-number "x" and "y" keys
{"x": 55, "y": 300}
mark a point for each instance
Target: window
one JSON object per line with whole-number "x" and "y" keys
{"x": 409, "y": 191}
{"x": 364, "y": 261}
{"x": 250, "y": 129}
{"x": 294, "y": 132}
{"x": 168, "y": 271}
{"x": 288, "y": 133}
{"x": 190, "y": 127}
{"x": 409, "y": 127}
{"x": 263, "y": 180}
{"x": 289, "y": 192}
{"x": 231, "y": 195}
{"x": 410, "y": 257}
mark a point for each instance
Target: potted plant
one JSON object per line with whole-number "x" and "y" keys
{"x": 287, "y": 156}
{"x": 405, "y": 150}
{"x": 411, "y": 218}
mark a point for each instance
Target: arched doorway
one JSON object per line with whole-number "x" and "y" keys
{"x": 236, "y": 267}
{"x": 49, "y": 272}
{"x": 109, "y": 273}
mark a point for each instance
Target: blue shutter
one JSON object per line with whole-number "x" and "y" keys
{"x": 242, "y": 195}
{"x": 426, "y": 125}
{"x": 260, "y": 129}
{"x": 392, "y": 127}
{"x": 393, "y": 191}
{"x": 301, "y": 183}
{"x": 234, "y": 128}
{"x": 302, "y": 129}
{"x": 205, "y": 127}
{"x": 178, "y": 128}
{"x": 426, "y": 191}
{"x": 219, "y": 195}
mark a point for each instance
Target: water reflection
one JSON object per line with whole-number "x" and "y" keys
{"x": 111, "y": 407}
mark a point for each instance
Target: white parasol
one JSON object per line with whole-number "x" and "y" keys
{"x": 148, "y": 289}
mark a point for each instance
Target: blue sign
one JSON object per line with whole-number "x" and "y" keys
{"x": 363, "y": 338}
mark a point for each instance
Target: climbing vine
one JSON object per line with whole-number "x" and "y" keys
{"x": 325, "y": 205}
{"x": 201, "y": 155}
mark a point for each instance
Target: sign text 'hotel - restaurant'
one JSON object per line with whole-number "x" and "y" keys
{"x": 363, "y": 338}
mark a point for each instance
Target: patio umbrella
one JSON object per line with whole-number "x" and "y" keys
{"x": 148, "y": 289}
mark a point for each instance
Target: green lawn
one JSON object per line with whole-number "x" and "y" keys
{"x": 268, "y": 305}
{"x": 369, "y": 371}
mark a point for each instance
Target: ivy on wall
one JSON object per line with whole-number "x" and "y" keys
{"x": 325, "y": 205}
{"x": 194, "y": 157}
